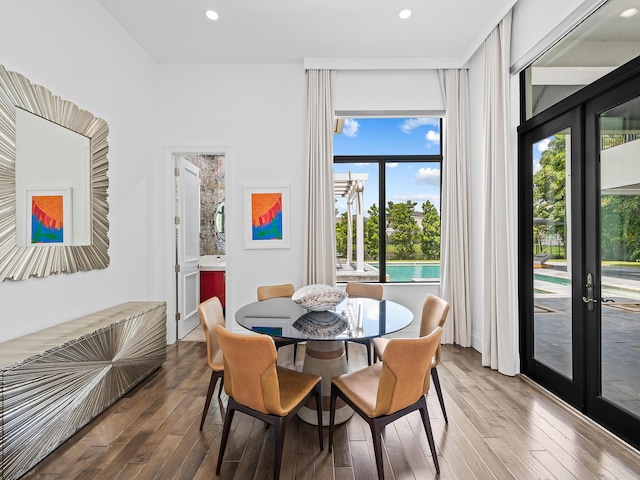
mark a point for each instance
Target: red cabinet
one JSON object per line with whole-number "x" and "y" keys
{"x": 212, "y": 285}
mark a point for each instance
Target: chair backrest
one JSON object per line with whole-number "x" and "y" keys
{"x": 211, "y": 314}
{"x": 273, "y": 291}
{"x": 434, "y": 314}
{"x": 369, "y": 290}
{"x": 250, "y": 374}
{"x": 406, "y": 363}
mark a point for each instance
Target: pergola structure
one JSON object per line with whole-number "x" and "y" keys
{"x": 351, "y": 186}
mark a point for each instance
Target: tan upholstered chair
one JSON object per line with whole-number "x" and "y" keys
{"x": 258, "y": 387}
{"x": 211, "y": 314}
{"x": 275, "y": 291}
{"x": 369, "y": 290}
{"x": 390, "y": 389}
{"x": 434, "y": 314}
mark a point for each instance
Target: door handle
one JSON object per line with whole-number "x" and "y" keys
{"x": 589, "y": 300}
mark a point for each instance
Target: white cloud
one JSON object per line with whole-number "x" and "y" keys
{"x": 412, "y": 123}
{"x": 433, "y": 137}
{"x": 351, "y": 127}
{"x": 429, "y": 176}
{"x": 392, "y": 165}
{"x": 543, "y": 144}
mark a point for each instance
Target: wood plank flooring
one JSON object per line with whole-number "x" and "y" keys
{"x": 499, "y": 428}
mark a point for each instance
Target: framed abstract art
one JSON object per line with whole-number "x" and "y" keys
{"x": 266, "y": 217}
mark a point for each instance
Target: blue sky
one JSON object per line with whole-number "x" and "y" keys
{"x": 393, "y": 136}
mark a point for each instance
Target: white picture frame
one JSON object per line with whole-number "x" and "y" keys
{"x": 266, "y": 217}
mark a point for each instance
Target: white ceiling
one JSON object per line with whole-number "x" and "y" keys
{"x": 440, "y": 33}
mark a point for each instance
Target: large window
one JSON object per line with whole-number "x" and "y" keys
{"x": 387, "y": 178}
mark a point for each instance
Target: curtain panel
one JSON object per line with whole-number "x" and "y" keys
{"x": 499, "y": 288}
{"x": 320, "y": 247}
{"x": 454, "y": 246}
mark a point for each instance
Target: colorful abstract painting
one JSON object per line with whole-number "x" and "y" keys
{"x": 47, "y": 219}
{"x": 266, "y": 216}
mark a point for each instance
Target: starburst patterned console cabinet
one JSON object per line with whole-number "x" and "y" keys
{"x": 55, "y": 381}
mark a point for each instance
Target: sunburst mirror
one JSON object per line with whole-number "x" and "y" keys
{"x": 55, "y": 199}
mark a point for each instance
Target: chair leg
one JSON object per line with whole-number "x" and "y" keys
{"x": 376, "y": 434}
{"x": 295, "y": 352}
{"x": 332, "y": 414}
{"x": 318, "y": 397}
{"x": 368, "y": 345}
{"x": 212, "y": 385}
{"x": 346, "y": 349}
{"x": 280, "y": 426}
{"x": 220, "y": 388}
{"x": 427, "y": 428}
{"x": 436, "y": 383}
{"x": 231, "y": 408}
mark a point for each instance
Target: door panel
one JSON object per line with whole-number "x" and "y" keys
{"x": 550, "y": 249}
{"x": 613, "y": 254}
{"x": 188, "y": 244}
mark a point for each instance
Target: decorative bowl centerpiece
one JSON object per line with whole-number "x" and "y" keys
{"x": 318, "y": 298}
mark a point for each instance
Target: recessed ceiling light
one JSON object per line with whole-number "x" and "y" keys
{"x": 404, "y": 13}
{"x": 629, "y": 13}
{"x": 211, "y": 15}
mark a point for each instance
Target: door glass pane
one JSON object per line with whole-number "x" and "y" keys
{"x": 620, "y": 253}
{"x": 552, "y": 266}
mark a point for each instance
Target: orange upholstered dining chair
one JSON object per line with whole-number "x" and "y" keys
{"x": 389, "y": 390}
{"x": 434, "y": 314}
{"x": 211, "y": 314}
{"x": 258, "y": 387}
{"x": 369, "y": 290}
{"x": 276, "y": 291}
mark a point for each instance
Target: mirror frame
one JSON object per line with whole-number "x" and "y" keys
{"x": 20, "y": 263}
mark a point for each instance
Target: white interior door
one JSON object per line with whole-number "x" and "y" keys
{"x": 188, "y": 245}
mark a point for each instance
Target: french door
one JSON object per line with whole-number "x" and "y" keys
{"x": 580, "y": 257}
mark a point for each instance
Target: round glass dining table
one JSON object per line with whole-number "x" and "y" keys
{"x": 325, "y": 333}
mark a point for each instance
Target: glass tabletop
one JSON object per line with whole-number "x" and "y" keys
{"x": 354, "y": 317}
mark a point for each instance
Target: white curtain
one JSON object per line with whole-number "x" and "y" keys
{"x": 454, "y": 247}
{"x": 320, "y": 248}
{"x": 499, "y": 288}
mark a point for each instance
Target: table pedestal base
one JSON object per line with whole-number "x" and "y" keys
{"x": 326, "y": 359}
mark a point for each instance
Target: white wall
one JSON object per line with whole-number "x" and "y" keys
{"x": 75, "y": 49}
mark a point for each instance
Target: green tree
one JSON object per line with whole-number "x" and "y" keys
{"x": 371, "y": 234}
{"x": 430, "y": 243}
{"x": 620, "y": 239}
{"x": 405, "y": 231}
{"x": 549, "y": 191}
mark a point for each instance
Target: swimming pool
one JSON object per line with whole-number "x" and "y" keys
{"x": 412, "y": 272}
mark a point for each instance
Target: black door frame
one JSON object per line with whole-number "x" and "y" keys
{"x": 571, "y": 389}
{"x": 597, "y": 407}
{"x": 586, "y": 103}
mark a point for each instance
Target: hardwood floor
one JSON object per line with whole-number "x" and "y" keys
{"x": 499, "y": 427}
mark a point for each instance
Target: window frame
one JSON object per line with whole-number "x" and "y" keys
{"x": 382, "y": 161}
